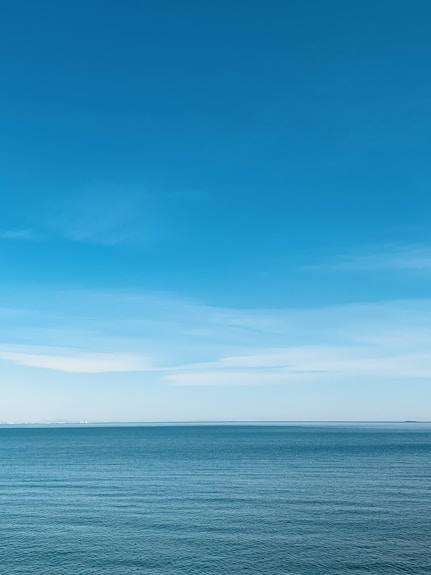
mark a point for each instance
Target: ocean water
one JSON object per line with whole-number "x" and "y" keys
{"x": 291, "y": 500}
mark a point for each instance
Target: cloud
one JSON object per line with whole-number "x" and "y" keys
{"x": 106, "y": 215}
{"x": 381, "y": 258}
{"x": 109, "y": 214}
{"x": 77, "y": 363}
{"x": 307, "y": 363}
{"x": 17, "y": 234}
{"x": 187, "y": 343}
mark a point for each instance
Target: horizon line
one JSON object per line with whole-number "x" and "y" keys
{"x": 85, "y": 423}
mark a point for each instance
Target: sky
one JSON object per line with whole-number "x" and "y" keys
{"x": 215, "y": 211}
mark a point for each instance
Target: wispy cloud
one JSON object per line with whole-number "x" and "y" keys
{"x": 102, "y": 214}
{"x": 308, "y": 363}
{"x": 76, "y": 362}
{"x": 185, "y": 343}
{"x": 380, "y": 258}
{"x": 17, "y": 234}
{"x": 109, "y": 214}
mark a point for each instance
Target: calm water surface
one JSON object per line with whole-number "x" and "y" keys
{"x": 296, "y": 499}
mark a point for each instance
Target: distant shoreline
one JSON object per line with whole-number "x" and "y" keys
{"x": 100, "y": 424}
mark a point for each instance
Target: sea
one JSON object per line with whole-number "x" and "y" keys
{"x": 291, "y": 499}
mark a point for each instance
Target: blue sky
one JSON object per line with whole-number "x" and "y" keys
{"x": 215, "y": 210}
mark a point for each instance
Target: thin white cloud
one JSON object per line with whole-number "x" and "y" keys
{"x": 78, "y": 363}
{"x": 191, "y": 344}
{"x": 308, "y": 363}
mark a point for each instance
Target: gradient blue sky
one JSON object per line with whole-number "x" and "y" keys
{"x": 215, "y": 210}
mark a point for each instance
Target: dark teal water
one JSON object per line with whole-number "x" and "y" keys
{"x": 308, "y": 500}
